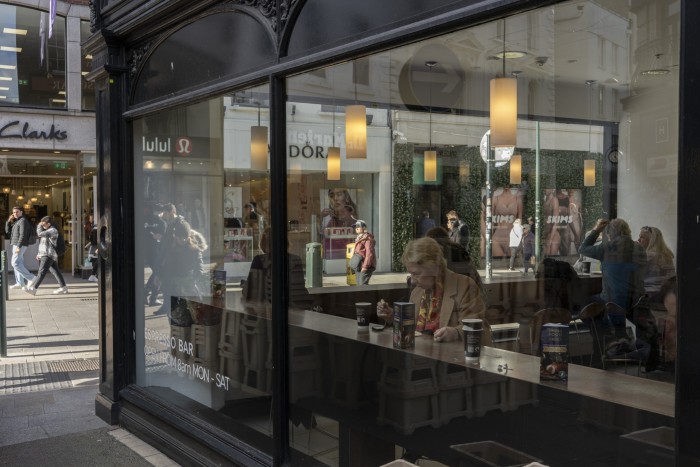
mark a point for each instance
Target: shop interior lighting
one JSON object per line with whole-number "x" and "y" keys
{"x": 7, "y": 48}
{"x": 516, "y": 165}
{"x": 355, "y": 126}
{"x": 589, "y": 172}
{"x": 8, "y": 67}
{"x": 504, "y": 106}
{"x": 258, "y": 145}
{"x": 589, "y": 164}
{"x": 333, "y": 158}
{"x": 430, "y": 156}
{"x": 19, "y": 32}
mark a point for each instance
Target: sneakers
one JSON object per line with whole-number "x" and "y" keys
{"x": 30, "y": 290}
{"x": 17, "y": 286}
{"x": 60, "y": 290}
{"x": 92, "y": 278}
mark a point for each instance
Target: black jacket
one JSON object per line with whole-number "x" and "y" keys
{"x": 19, "y": 231}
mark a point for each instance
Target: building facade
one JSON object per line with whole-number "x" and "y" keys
{"x": 47, "y": 126}
{"x": 231, "y": 182}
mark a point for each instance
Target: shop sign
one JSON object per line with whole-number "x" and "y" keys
{"x": 309, "y": 145}
{"x": 183, "y": 145}
{"x": 18, "y": 129}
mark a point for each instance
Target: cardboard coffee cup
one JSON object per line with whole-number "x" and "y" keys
{"x": 363, "y": 310}
{"x": 472, "y": 327}
{"x": 586, "y": 267}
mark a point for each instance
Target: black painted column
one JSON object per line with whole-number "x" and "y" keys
{"x": 688, "y": 262}
{"x": 115, "y": 225}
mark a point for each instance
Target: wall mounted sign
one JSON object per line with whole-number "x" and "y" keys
{"x": 18, "y": 129}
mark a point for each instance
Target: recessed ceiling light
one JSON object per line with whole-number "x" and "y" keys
{"x": 7, "y": 48}
{"x": 5, "y": 78}
{"x": 510, "y": 54}
{"x": 19, "y": 32}
{"x": 656, "y": 72}
{"x": 8, "y": 67}
{"x": 2, "y": 88}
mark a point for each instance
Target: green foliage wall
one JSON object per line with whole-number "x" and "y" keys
{"x": 402, "y": 203}
{"x": 558, "y": 169}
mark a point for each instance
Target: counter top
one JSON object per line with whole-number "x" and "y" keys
{"x": 640, "y": 393}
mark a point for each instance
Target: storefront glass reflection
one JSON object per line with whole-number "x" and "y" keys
{"x": 594, "y": 143}
{"x": 203, "y": 295}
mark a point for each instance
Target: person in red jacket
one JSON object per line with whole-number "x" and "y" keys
{"x": 364, "y": 246}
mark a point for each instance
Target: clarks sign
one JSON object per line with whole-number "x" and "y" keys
{"x": 17, "y": 129}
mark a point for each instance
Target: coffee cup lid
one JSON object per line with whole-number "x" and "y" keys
{"x": 472, "y": 324}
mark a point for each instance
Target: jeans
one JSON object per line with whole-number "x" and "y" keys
{"x": 22, "y": 274}
{"x": 513, "y": 254}
{"x": 48, "y": 263}
{"x": 362, "y": 278}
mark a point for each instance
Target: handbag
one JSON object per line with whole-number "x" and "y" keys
{"x": 356, "y": 261}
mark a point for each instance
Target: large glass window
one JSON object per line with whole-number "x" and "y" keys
{"x": 202, "y": 249}
{"x": 32, "y": 64}
{"x": 559, "y": 238}
{"x": 87, "y": 88}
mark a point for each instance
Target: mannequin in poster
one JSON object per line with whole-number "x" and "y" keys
{"x": 341, "y": 210}
{"x": 337, "y": 222}
{"x": 563, "y": 221}
{"x": 507, "y": 206}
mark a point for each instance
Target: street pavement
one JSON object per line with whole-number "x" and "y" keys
{"x": 49, "y": 380}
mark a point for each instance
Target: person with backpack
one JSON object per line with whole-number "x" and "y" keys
{"x": 49, "y": 240}
{"x": 20, "y": 230}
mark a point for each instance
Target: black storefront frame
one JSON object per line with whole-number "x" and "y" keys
{"x": 117, "y": 353}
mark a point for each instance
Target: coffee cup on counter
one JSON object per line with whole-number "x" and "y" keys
{"x": 472, "y": 327}
{"x": 364, "y": 311}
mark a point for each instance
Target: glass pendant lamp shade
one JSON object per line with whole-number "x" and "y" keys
{"x": 356, "y": 132}
{"x": 333, "y": 163}
{"x": 516, "y": 167}
{"x": 430, "y": 166}
{"x": 589, "y": 172}
{"x": 258, "y": 148}
{"x": 504, "y": 112}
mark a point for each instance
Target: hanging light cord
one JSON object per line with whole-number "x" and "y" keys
{"x": 504, "y": 47}
{"x": 430, "y": 65}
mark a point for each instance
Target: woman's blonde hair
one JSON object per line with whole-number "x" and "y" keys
{"x": 657, "y": 246}
{"x": 617, "y": 228}
{"x": 424, "y": 252}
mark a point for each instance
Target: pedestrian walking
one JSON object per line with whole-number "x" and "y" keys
{"x": 20, "y": 230}
{"x": 48, "y": 257}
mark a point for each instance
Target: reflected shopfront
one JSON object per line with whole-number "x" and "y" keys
{"x": 245, "y": 328}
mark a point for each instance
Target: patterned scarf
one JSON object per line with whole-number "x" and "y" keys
{"x": 429, "y": 312}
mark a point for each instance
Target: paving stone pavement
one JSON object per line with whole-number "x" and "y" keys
{"x": 49, "y": 380}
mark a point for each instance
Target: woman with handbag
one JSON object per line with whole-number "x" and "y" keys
{"x": 364, "y": 246}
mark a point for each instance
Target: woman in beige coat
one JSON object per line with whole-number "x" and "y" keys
{"x": 442, "y": 297}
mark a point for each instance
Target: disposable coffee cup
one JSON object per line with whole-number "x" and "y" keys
{"x": 363, "y": 310}
{"x": 472, "y": 327}
{"x": 586, "y": 267}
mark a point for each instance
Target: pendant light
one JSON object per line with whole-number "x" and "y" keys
{"x": 504, "y": 106}
{"x": 258, "y": 146}
{"x": 430, "y": 156}
{"x": 333, "y": 158}
{"x": 589, "y": 164}
{"x": 355, "y": 126}
{"x": 6, "y": 189}
{"x": 516, "y": 166}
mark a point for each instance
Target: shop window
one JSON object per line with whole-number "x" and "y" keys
{"x": 203, "y": 283}
{"x": 210, "y": 49}
{"x": 548, "y": 236}
{"x": 32, "y": 64}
